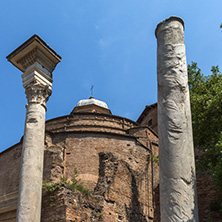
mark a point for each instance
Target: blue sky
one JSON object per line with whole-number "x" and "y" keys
{"x": 106, "y": 43}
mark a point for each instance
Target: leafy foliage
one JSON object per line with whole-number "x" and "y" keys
{"x": 206, "y": 106}
{"x": 155, "y": 159}
{"x": 50, "y": 189}
{"x": 216, "y": 206}
{"x": 75, "y": 184}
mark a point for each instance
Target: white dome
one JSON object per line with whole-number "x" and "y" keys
{"x": 92, "y": 101}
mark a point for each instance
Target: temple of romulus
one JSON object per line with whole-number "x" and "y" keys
{"x": 91, "y": 165}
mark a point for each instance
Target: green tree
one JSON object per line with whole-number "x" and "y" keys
{"x": 206, "y": 107}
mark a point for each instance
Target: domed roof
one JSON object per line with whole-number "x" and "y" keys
{"x": 92, "y": 101}
{"x": 91, "y": 105}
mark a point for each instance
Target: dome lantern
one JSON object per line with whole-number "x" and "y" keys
{"x": 91, "y": 105}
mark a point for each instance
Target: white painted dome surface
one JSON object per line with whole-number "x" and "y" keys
{"x": 90, "y": 101}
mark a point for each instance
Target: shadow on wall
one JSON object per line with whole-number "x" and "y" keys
{"x": 117, "y": 178}
{"x": 135, "y": 212}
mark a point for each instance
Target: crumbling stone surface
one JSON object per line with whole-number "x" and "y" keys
{"x": 116, "y": 196}
{"x": 119, "y": 186}
{"x": 70, "y": 205}
{"x": 53, "y": 164}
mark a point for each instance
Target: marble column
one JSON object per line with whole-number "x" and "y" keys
{"x": 178, "y": 198}
{"x": 30, "y": 190}
{"x": 37, "y": 60}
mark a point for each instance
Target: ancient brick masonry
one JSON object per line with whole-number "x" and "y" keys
{"x": 113, "y": 161}
{"x": 114, "y": 158}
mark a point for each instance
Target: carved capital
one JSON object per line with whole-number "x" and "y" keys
{"x": 37, "y": 93}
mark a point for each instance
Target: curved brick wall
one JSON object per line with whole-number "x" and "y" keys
{"x": 112, "y": 155}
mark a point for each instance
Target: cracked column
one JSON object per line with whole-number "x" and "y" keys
{"x": 37, "y": 60}
{"x": 178, "y": 198}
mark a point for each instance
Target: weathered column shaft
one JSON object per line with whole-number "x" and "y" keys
{"x": 30, "y": 186}
{"x": 176, "y": 156}
{"x": 30, "y": 191}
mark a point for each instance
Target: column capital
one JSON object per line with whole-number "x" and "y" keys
{"x": 37, "y": 93}
{"x": 37, "y": 61}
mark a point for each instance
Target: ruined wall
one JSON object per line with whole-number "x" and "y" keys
{"x": 113, "y": 159}
{"x": 116, "y": 169}
{"x": 111, "y": 165}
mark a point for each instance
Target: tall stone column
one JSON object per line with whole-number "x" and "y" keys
{"x": 37, "y": 60}
{"x": 178, "y": 198}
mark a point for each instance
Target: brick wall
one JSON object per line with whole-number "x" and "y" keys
{"x": 113, "y": 159}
